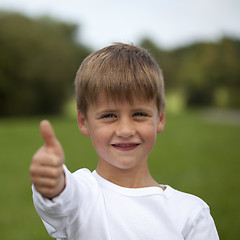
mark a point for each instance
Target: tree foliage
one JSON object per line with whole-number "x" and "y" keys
{"x": 38, "y": 62}
{"x": 39, "y": 58}
{"x": 208, "y": 73}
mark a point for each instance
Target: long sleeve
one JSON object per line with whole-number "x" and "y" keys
{"x": 90, "y": 207}
{"x": 61, "y": 211}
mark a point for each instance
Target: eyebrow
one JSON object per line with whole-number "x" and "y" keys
{"x": 105, "y": 111}
{"x": 142, "y": 109}
{"x": 110, "y": 110}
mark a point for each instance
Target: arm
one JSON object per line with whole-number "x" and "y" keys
{"x": 63, "y": 200}
{"x": 62, "y": 211}
{"x": 46, "y": 169}
{"x": 48, "y": 176}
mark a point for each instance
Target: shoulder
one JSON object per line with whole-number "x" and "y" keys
{"x": 183, "y": 198}
{"x": 82, "y": 172}
{"x": 83, "y": 185}
{"x": 183, "y": 205}
{"x": 84, "y": 177}
{"x": 191, "y": 214}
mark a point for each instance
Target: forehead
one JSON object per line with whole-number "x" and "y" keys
{"x": 108, "y": 102}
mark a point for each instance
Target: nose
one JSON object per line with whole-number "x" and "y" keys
{"x": 125, "y": 128}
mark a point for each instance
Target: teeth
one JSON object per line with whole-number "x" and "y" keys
{"x": 126, "y": 145}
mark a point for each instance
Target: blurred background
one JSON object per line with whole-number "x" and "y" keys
{"x": 197, "y": 45}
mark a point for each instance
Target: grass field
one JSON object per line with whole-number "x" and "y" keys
{"x": 195, "y": 154}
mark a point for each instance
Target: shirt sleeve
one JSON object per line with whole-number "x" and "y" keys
{"x": 60, "y": 211}
{"x": 203, "y": 227}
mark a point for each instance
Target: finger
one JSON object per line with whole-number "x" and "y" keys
{"x": 46, "y": 159}
{"x": 47, "y": 133}
{"x": 47, "y": 192}
{"x": 49, "y": 187}
{"x": 44, "y": 182}
{"x": 46, "y": 171}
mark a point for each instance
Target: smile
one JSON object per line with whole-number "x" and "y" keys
{"x": 125, "y": 146}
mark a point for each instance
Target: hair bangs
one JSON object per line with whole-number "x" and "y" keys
{"x": 122, "y": 73}
{"x": 121, "y": 82}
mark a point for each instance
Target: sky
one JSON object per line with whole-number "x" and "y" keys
{"x": 169, "y": 24}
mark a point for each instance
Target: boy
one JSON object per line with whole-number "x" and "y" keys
{"x": 120, "y": 102}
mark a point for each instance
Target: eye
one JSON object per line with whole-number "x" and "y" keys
{"x": 109, "y": 115}
{"x": 140, "y": 115}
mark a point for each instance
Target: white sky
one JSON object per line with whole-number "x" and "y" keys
{"x": 168, "y": 23}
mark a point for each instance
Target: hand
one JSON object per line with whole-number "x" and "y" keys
{"x": 46, "y": 169}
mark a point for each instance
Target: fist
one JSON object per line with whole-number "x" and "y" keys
{"x": 46, "y": 169}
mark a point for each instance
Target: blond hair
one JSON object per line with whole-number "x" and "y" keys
{"x": 121, "y": 72}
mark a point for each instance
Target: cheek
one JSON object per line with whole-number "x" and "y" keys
{"x": 149, "y": 130}
{"x": 100, "y": 137}
{"x": 150, "y": 135}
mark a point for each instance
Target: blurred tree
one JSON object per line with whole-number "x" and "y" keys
{"x": 166, "y": 60}
{"x": 208, "y": 73}
{"x": 38, "y": 62}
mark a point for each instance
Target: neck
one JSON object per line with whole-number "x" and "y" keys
{"x": 129, "y": 178}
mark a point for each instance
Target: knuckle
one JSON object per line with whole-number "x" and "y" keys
{"x": 45, "y": 189}
{"x": 36, "y": 155}
{"x": 36, "y": 181}
{"x": 33, "y": 180}
{"x": 37, "y": 159}
{"x": 57, "y": 172}
{"x": 60, "y": 170}
{"x": 54, "y": 183}
{"x": 50, "y": 183}
{"x": 32, "y": 169}
{"x": 54, "y": 172}
{"x": 55, "y": 160}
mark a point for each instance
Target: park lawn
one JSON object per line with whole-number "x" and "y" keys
{"x": 193, "y": 154}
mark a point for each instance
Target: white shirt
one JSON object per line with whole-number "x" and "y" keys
{"x": 92, "y": 208}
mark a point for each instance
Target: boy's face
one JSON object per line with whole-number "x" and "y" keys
{"x": 122, "y": 134}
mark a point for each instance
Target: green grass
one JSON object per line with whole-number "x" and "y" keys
{"x": 192, "y": 154}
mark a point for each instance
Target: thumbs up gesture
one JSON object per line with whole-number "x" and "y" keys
{"x": 46, "y": 169}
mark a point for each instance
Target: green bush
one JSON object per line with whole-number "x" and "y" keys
{"x": 38, "y": 62}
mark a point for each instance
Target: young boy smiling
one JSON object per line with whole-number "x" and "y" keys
{"x": 123, "y": 134}
{"x": 120, "y": 102}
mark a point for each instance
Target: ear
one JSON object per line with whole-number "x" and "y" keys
{"x": 82, "y": 123}
{"x": 161, "y": 122}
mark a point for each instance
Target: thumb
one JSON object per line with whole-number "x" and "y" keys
{"x": 48, "y": 135}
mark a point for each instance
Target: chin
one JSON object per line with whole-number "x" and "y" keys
{"x": 125, "y": 164}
